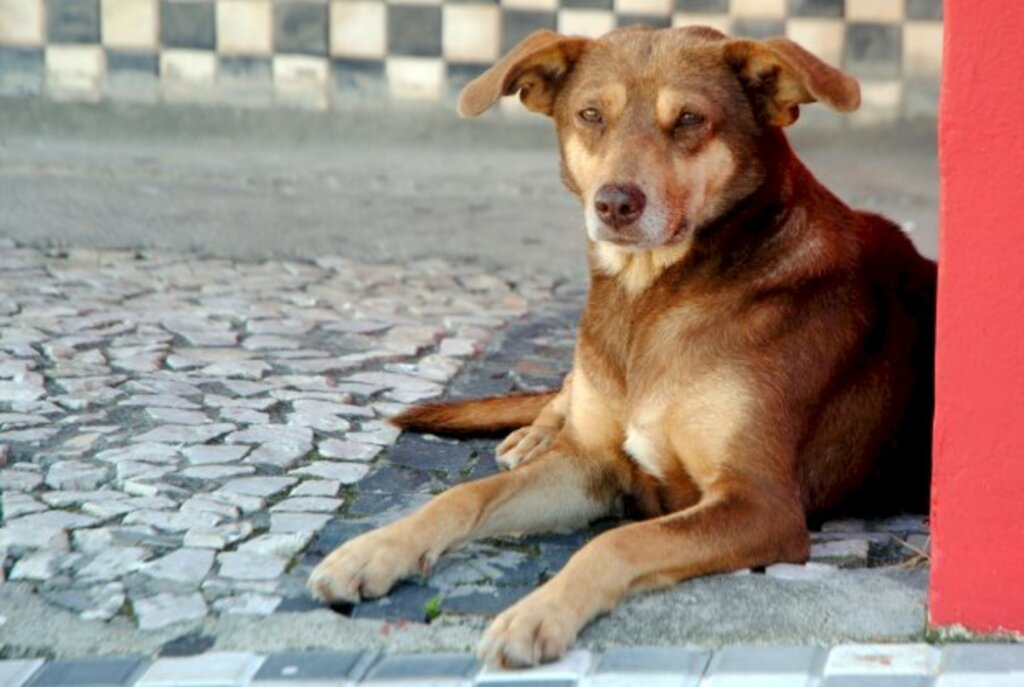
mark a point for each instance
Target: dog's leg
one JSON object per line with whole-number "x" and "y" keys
{"x": 557, "y": 489}
{"x": 528, "y": 442}
{"x": 732, "y": 527}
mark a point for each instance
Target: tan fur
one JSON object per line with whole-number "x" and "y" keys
{"x": 753, "y": 352}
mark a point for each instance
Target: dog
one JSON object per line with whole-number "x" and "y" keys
{"x": 753, "y": 353}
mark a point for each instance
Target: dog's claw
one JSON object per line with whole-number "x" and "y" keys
{"x": 523, "y": 445}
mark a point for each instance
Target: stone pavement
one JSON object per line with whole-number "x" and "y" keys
{"x": 182, "y": 438}
{"x": 849, "y": 665}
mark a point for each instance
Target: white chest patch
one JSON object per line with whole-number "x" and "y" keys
{"x": 643, "y": 452}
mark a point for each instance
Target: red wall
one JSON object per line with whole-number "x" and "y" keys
{"x": 978, "y": 486}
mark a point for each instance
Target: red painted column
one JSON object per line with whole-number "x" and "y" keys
{"x": 978, "y": 486}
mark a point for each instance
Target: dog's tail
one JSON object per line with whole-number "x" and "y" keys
{"x": 479, "y": 417}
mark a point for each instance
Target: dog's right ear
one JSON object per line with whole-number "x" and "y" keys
{"x": 535, "y": 68}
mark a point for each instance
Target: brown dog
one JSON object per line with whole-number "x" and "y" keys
{"x": 753, "y": 351}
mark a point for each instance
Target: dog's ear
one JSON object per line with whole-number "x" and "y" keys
{"x": 781, "y": 76}
{"x": 535, "y": 68}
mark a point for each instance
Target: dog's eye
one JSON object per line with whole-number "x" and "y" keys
{"x": 689, "y": 119}
{"x": 591, "y": 115}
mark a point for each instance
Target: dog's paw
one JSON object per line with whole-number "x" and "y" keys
{"x": 366, "y": 567}
{"x": 523, "y": 444}
{"x": 537, "y": 629}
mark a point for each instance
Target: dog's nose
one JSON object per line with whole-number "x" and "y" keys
{"x": 619, "y": 204}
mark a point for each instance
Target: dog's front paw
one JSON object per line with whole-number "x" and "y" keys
{"x": 523, "y": 444}
{"x": 537, "y": 629}
{"x": 367, "y": 567}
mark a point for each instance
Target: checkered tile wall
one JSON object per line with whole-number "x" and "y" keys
{"x": 315, "y": 53}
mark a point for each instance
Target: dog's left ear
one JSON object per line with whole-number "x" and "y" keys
{"x": 782, "y": 76}
{"x": 535, "y": 68}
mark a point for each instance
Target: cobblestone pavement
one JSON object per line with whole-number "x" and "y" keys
{"x": 858, "y": 665}
{"x": 182, "y": 439}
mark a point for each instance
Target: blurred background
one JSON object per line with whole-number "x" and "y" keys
{"x": 252, "y": 128}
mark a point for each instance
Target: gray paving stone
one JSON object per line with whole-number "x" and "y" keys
{"x": 217, "y": 472}
{"x": 653, "y": 666}
{"x": 247, "y": 604}
{"x": 112, "y": 563}
{"x": 143, "y": 452}
{"x": 317, "y": 487}
{"x": 307, "y": 504}
{"x": 218, "y": 537}
{"x": 311, "y": 669}
{"x": 348, "y": 450}
{"x": 346, "y": 473}
{"x": 184, "y": 434}
{"x": 736, "y": 666}
{"x": 243, "y": 565}
{"x": 15, "y": 504}
{"x": 443, "y": 670}
{"x": 177, "y": 416}
{"x": 204, "y": 455}
{"x": 890, "y": 660}
{"x": 166, "y": 609}
{"x": 280, "y": 454}
{"x": 845, "y": 553}
{"x": 216, "y": 669}
{"x": 982, "y": 665}
{"x": 283, "y": 523}
{"x": 53, "y": 519}
{"x": 16, "y": 673}
{"x": 186, "y": 566}
{"x": 89, "y": 672}
{"x": 74, "y": 474}
{"x": 797, "y": 573}
{"x": 565, "y": 672}
{"x": 259, "y": 486}
{"x": 285, "y": 546}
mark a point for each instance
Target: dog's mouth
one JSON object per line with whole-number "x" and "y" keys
{"x": 634, "y": 240}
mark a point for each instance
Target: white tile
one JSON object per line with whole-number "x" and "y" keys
{"x": 22, "y": 23}
{"x": 882, "y": 659}
{"x": 591, "y": 23}
{"x": 195, "y": 67}
{"x": 216, "y": 669}
{"x": 822, "y": 37}
{"x": 75, "y": 71}
{"x": 415, "y": 78}
{"x": 880, "y": 102}
{"x": 720, "y": 22}
{"x": 775, "y": 9}
{"x": 874, "y": 10}
{"x": 546, "y": 5}
{"x": 130, "y": 24}
{"x": 660, "y": 8}
{"x": 244, "y": 27}
{"x": 472, "y": 33}
{"x": 570, "y": 668}
{"x": 922, "y": 49}
{"x": 301, "y": 81}
{"x": 359, "y": 29}
{"x": 17, "y": 673}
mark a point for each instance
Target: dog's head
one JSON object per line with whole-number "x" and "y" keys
{"x": 659, "y": 129}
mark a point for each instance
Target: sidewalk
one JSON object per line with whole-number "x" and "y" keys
{"x": 880, "y": 665}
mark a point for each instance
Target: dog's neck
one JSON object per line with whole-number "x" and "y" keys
{"x": 724, "y": 243}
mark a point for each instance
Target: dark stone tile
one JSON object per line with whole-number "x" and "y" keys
{"x": 22, "y": 61}
{"x": 924, "y": 9}
{"x": 390, "y": 479}
{"x": 676, "y": 661}
{"x": 337, "y": 532}
{"x": 189, "y": 25}
{"x": 250, "y": 68}
{"x": 407, "y": 601}
{"x": 485, "y": 601}
{"x": 418, "y": 452}
{"x": 518, "y": 24}
{"x": 817, "y": 8}
{"x": 73, "y": 21}
{"x": 874, "y": 50}
{"x": 587, "y": 4}
{"x": 703, "y": 6}
{"x": 485, "y": 466}
{"x": 752, "y": 27}
{"x": 309, "y": 666}
{"x": 414, "y": 30}
{"x": 423, "y": 667}
{"x": 191, "y": 644}
{"x": 359, "y": 78}
{"x": 120, "y": 61}
{"x": 477, "y": 386}
{"x": 375, "y": 504}
{"x": 300, "y": 28}
{"x": 90, "y": 672}
{"x": 461, "y": 74}
{"x": 621, "y": 21}
{"x": 299, "y": 604}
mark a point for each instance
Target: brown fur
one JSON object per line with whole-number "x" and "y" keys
{"x": 753, "y": 352}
